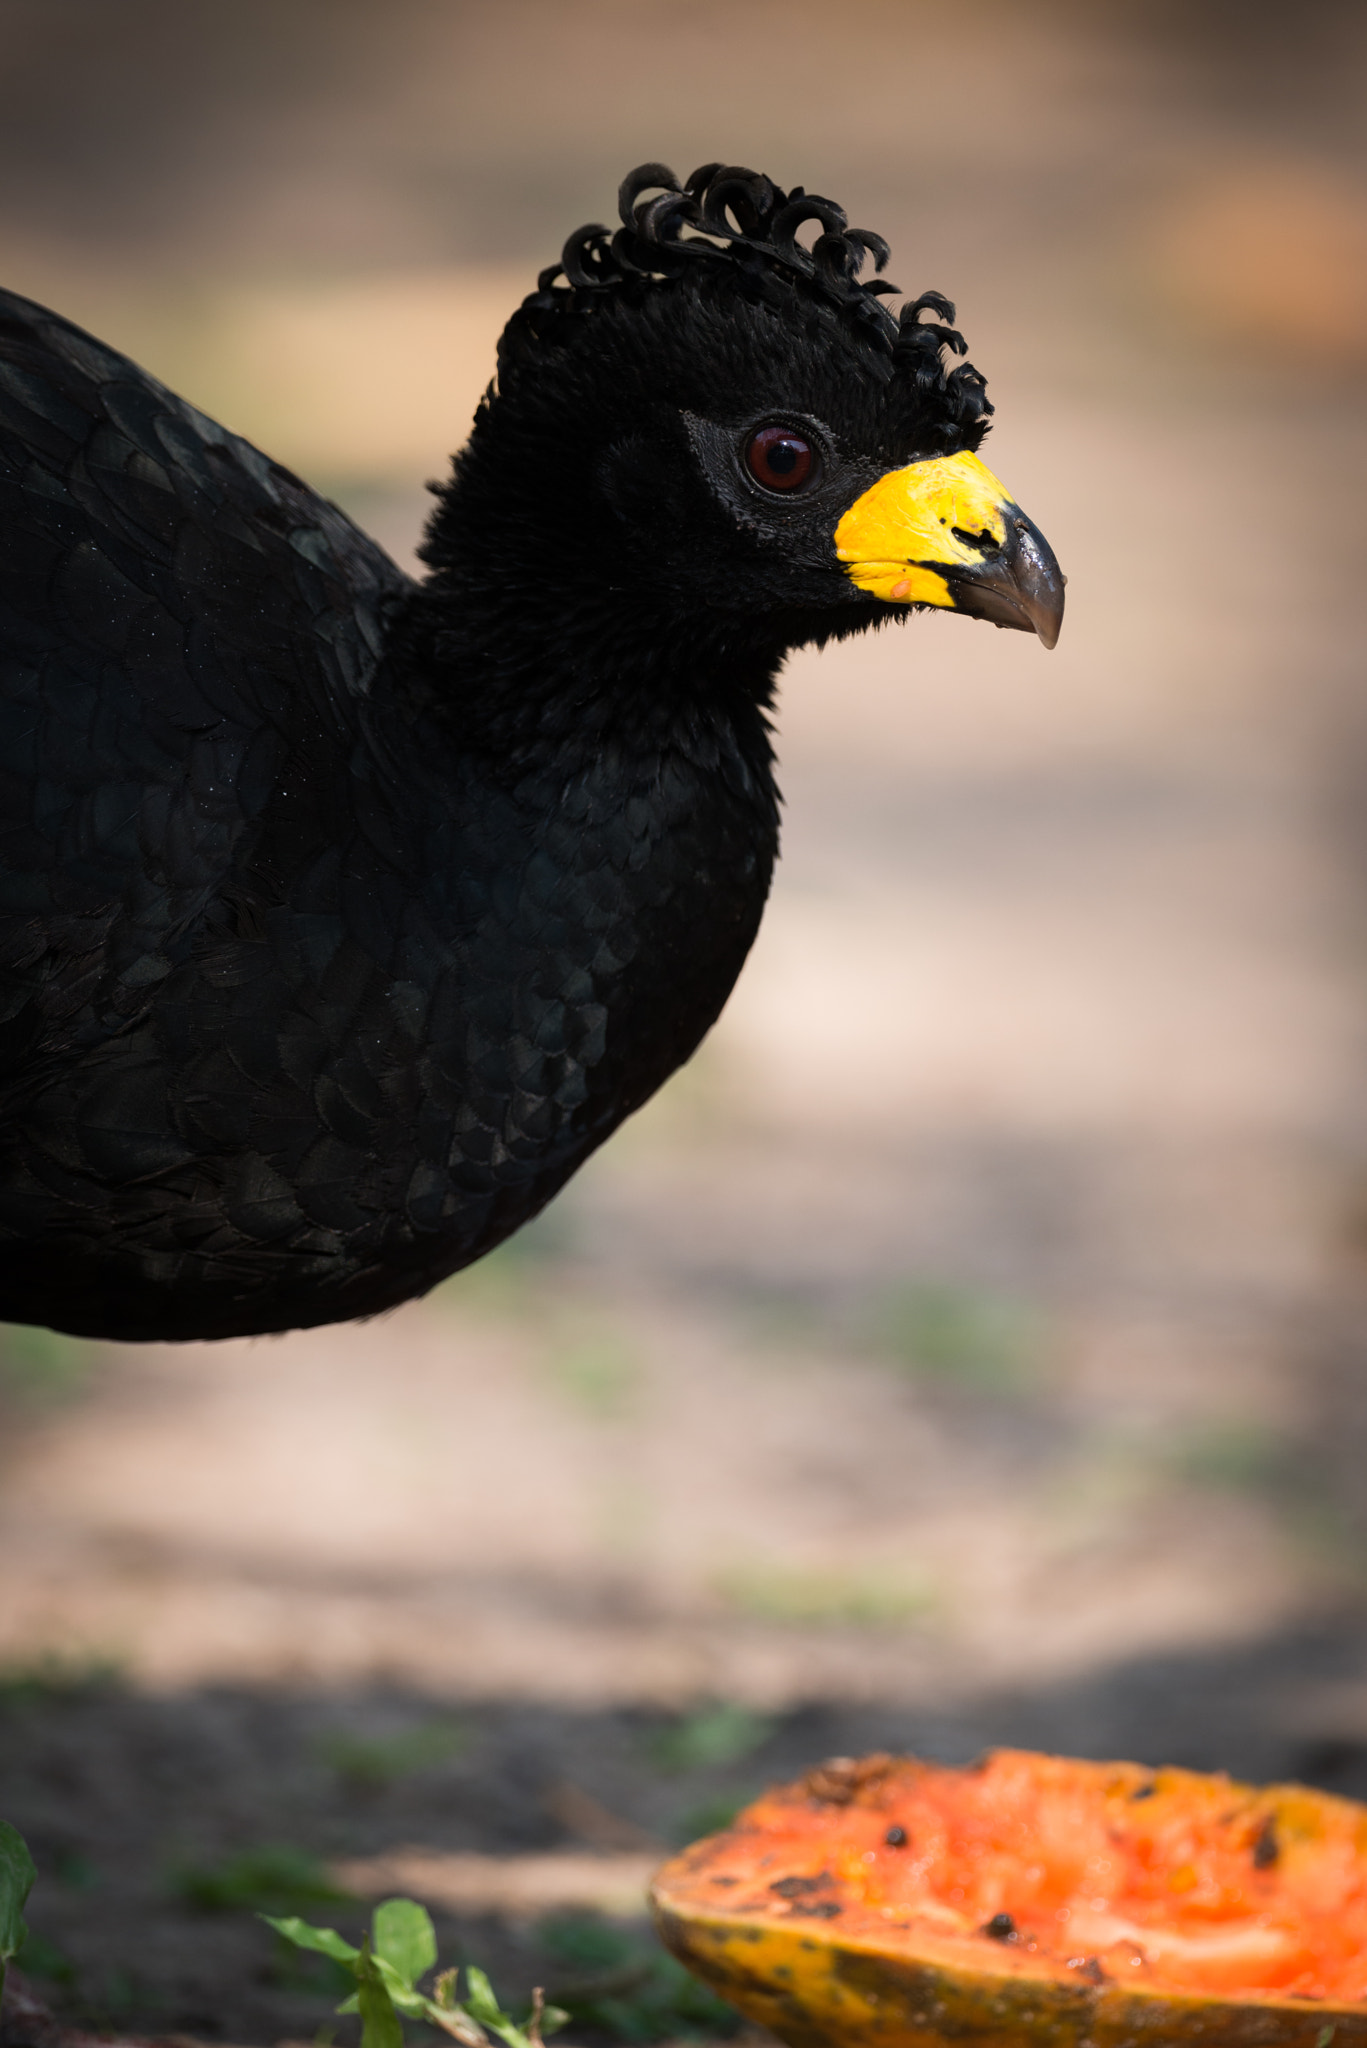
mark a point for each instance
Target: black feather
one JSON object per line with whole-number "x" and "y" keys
{"x": 341, "y": 917}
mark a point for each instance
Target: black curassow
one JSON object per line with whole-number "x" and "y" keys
{"x": 342, "y": 916}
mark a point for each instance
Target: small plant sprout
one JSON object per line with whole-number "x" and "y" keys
{"x": 16, "y": 1882}
{"x": 399, "y": 1950}
{"x": 269, "y": 1878}
{"x": 713, "y": 1736}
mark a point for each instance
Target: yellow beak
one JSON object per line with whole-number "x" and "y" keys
{"x": 946, "y": 532}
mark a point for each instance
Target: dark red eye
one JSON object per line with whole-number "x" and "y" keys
{"x": 779, "y": 458}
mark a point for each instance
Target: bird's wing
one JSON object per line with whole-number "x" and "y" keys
{"x": 178, "y": 616}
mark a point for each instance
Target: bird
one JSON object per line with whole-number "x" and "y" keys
{"x": 344, "y": 913}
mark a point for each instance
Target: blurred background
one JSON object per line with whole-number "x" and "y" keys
{"x": 968, "y": 1345}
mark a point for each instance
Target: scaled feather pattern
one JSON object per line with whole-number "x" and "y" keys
{"x": 343, "y": 915}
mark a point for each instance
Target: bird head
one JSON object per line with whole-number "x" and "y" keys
{"x": 709, "y": 417}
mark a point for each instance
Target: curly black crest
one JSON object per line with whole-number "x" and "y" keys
{"x": 739, "y": 222}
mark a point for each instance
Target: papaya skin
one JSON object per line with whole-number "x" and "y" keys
{"x": 817, "y": 1985}
{"x": 816, "y": 1991}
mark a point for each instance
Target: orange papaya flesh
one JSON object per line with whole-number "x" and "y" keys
{"x": 1031, "y": 1902}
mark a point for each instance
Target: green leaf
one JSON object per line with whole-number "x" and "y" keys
{"x": 402, "y": 1995}
{"x": 380, "y": 2024}
{"x": 16, "y": 1882}
{"x": 480, "y": 1998}
{"x": 482, "y": 2004}
{"x": 325, "y": 1940}
{"x": 455, "y": 2021}
{"x": 405, "y": 1939}
{"x": 446, "y": 2010}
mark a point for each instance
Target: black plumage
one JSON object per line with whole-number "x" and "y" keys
{"x": 342, "y": 916}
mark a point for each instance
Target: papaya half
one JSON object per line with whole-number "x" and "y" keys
{"x": 1031, "y": 1902}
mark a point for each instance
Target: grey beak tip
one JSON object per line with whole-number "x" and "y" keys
{"x": 1021, "y": 586}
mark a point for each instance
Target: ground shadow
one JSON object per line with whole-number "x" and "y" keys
{"x": 161, "y": 1824}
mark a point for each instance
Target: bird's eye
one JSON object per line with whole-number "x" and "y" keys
{"x": 780, "y": 459}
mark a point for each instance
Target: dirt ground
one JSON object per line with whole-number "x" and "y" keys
{"x": 148, "y": 1815}
{"x": 968, "y": 1347}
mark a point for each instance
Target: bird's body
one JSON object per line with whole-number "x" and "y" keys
{"x": 341, "y": 916}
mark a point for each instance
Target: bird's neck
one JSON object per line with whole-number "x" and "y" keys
{"x": 532, "y": 642}
{"x": 529, "y": 676}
